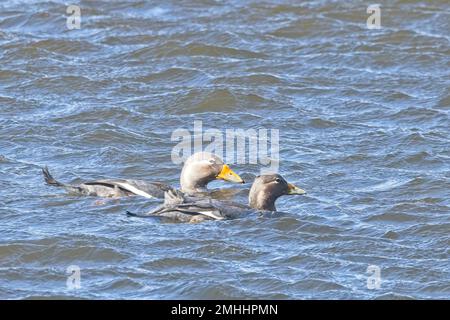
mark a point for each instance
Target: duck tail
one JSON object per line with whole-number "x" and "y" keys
{"x": 140, "y": 215}
{"x": 50, "y": 180}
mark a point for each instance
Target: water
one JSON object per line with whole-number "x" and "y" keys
{"x": 363, "y": 117}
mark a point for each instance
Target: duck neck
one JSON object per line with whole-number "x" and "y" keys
{"x": 262, "y": 202}
{"x": 192, "y": 188}
{"x": 190, "y": 184}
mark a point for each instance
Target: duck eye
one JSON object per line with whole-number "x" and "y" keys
{"x": 277, "y": 180}
{"x": 212, "y": 161}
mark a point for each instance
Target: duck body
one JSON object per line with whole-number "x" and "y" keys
{"x": 198, "y": 170}
{"x": 111, "y": 188}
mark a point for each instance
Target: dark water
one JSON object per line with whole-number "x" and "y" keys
{"x": 363, "y": 117}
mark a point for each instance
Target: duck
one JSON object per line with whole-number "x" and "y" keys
{"x": 198, "y": 171}
{"x": 264, "y": 192}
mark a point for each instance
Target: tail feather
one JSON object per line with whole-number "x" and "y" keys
{"x": 50, "y": 180}
{"x": 139, "y": 215}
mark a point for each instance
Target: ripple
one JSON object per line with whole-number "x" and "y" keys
{"x": 175, "y": 263}
{"x": 120, "y": 285}
{"x": 417, "y": 114}
{"x": 393, "y": 296}
{"x": 317, "y": 285}
{"x": 199, "y": 49}
{"x": 218, "y": 100}
{"x": 176, "y": 75}
{"x": 396, "y": 214}
{"x": 26, "y": 253}
{"x": 322, "y": 123}
{"x": 65, "y": 46}
{"x": 253, "y": 79}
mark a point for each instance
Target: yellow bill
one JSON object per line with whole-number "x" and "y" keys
{"x": 295, "y": 190}
{"x": 229, "y": 175}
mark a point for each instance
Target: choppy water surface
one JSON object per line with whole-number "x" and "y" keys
{"x": 364, "y": 125}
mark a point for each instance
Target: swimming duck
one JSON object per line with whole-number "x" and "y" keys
{"x": 265, "y": 190}
{"x": 199, "y": 169}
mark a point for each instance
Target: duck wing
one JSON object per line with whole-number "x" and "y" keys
{"x": 185, "y": 211}
{"x": 128, "y": 187}
{"x": 180, "y": 207}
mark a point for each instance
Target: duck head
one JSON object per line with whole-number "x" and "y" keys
{"x": 266, "y": 189}
{"x": 203, "y": 167}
